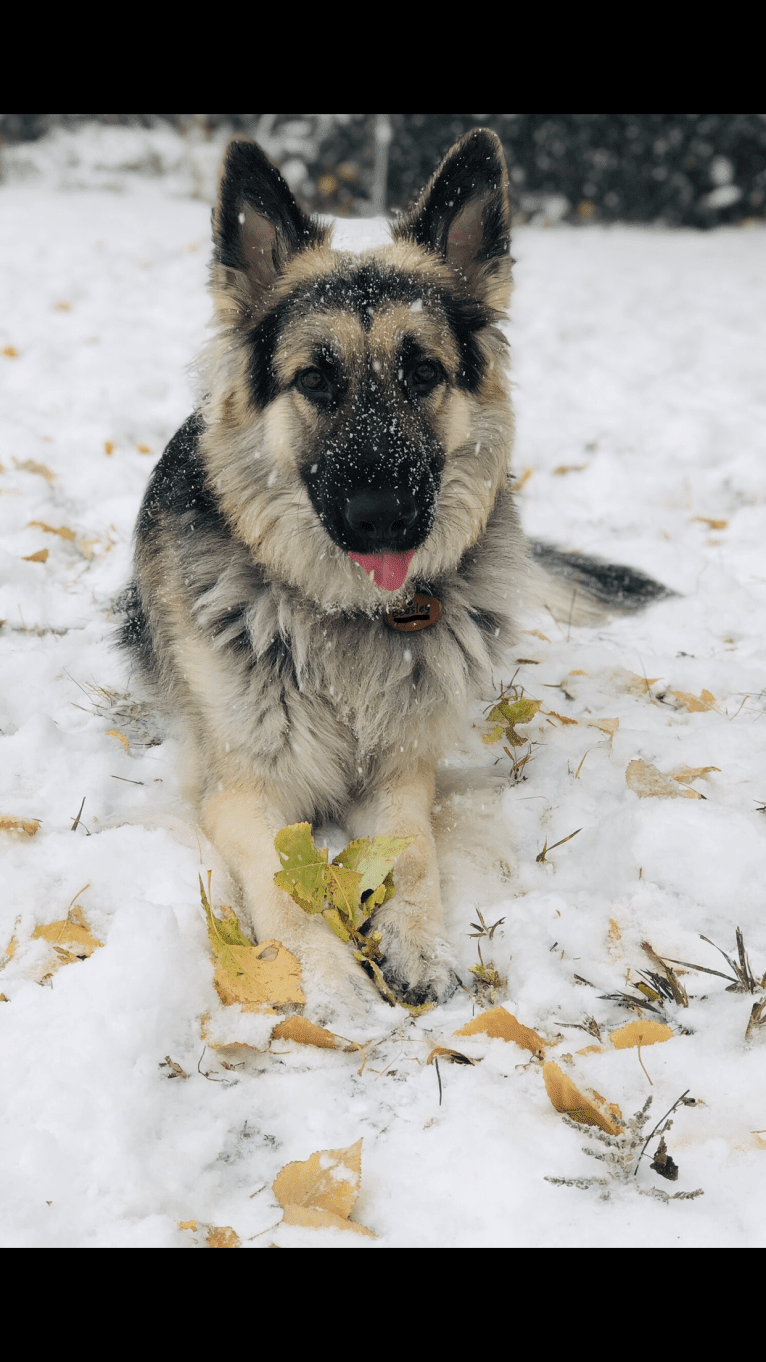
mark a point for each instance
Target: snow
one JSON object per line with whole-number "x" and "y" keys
{"x": 637, "y": 364}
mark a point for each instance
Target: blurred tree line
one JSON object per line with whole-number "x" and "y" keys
{"x": 677, "y": 169}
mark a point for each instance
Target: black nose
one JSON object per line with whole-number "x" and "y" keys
{"x": 381, "y": 515}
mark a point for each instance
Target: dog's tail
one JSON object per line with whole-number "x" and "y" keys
{"x": 582, "y": 590}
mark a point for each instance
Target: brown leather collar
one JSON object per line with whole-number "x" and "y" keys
{"x": 419, "y": 613}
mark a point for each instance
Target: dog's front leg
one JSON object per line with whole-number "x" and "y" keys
{"x": 242, "y": 825}
{"x": 417, "y": 961}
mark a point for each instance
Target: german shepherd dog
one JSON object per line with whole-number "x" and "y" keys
{"x": 328, "y": 560}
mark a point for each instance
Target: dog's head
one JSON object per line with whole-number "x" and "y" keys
{"x": 358, "y": 419}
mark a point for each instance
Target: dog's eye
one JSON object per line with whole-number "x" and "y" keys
{"x": 422, "y": 378}
{"x": 313, "y": 383}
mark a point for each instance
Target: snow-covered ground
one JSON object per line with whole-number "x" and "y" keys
{"x": 639, "y": 364}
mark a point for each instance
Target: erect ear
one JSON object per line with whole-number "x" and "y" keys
{"x": 464, "y": 215}
{"x": 257, "y": 228}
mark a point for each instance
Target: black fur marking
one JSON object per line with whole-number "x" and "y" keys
{"x": 249, "y": 177}
{"x": 622, "y": 588}
{"x": 134, "y": 634}
{"x": 178, "y": 486}
{"x": 473, "y": 169}
{"x": 362, "y": 291}
{"x": 487, "y": 622}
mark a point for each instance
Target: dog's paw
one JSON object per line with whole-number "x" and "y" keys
{"x": 418, "y": 965}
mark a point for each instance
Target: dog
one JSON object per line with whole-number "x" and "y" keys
{"x": 328, "y": 562}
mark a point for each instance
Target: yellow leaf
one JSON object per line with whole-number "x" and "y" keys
{"x": 51, "y": 529}
{"x": 40, "y": 557}
{"x": 16, "y": 825}
{"x": 500, "y": 1024}
{"x": 711, "y": 523}
{"x": 72, "y": 934}
{"x": 108, "y": 447}
{"x": 521, "y": 481}
{"x": 187, "y": 1225}
{"x": 11, "y": 352}
{"x": 222, "y": 1236}
{"x": 568, "y": 1099}
{"x": 551, "y": 713}
{"x": 328, "y": 1181}
{"x": 451, "y": 1056}
{"x": 537, "y": 634}
{"x": 614, "y": 930}
{"x": 690, "y": 702}
{"x": 144, "y": 449}
{"x": 688, "y": 773}
{"x": 256, "y": 977}
{"x": 115, "y": 733}
{"x": 312, "y": 1218}
{"x": 649, "y": 783}
{"x": 3, "y": 998}
{"x": 640, "y": 1033}
{"x": 609, "y": 726}
{"x": 591, "y": 1050}
{"x": 564, "y": 468}
{"x": 32, "y": 466}
{"x": 308, "y": 1033}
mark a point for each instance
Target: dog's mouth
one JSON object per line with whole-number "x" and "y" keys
{"x": 387, "y": 570}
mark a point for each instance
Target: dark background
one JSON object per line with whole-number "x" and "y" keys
{"x": 693, "y": 170}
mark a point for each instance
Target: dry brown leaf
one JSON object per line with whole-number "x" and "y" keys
{"x": 64, "y": 532}
{"x": 568, "y": 1099}
{"x": 115, "y": 733}
{"x": 609, "y": 726}
{"x": 187, "y": 1225}
{"x": 222, "y": 1236}
{"x": 108, "y": 447}
{"x": 551, "y": 713}
{"x": 690, "y": 702}
{"x": 537, "y": 634}
{"x": 498, "y": 1022}
{"x": 71, "y": 935}
{"x": 11, "y": 352}
{"x": 649, "y": 783}
{"x": 591, "y": 1050}
{"x": 144, "y": 449}
{"x": 40, "y": 557}
{"x": 564, "y": 468}
{"x": 3, "y": 998}
{"x": 328, "y": 1182}
{"x": 687, "y": 773}
{"x": 32, "y": 466}
{"x": 711, "y": 523}
{"x": 523, "y": 479}
{"x": 28, "y": 826}
{"x": 306, "y": 1032}
{"x": 640, "y": 1033}
{"x": 312, "y": 1218}
{"x": 451, "y": 1056}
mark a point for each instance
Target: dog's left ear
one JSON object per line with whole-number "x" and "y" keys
{"x": 464, "y": 216}
{"x": 257, "y": 228}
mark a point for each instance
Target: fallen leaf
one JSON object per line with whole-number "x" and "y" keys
{"x": 108, "y": 447}
{"x": 687, "y": 773}
{"x": 305, "y": 1032}
{"x": 311, "y": 1218}
{"x": 591, "y": 1050}
{"x": 537, "y": 634}
{"x": 40, "y": 557}
{"x": 327, "y": 1182}
{"x": 28, "y": 826}
{"x": 64, "y": 532}
{"x": 3, "y": 998}
{"x": 115, "y": 733}
{"x": 649, "y": 783}
{"x": 242, "y": 975}
{"x": 144, "y": 449}
{"x": 609, "y": 726}
{"x": 640, "y": 1033}
{"x": 32, "y": 466}
{"x": 175, "y": 1069}
{"x": 564, "y": 468}
{"x": 505, "y": 715}
{"x": 71, "y": 934}
{"x": 187, "y": 1225}
{"x": 451, "y": 1056}
{"x": 690, "y": 702}
{"x": 551, "y": 713}
{"x": 568, "y": 1099}
{"x": 711, "y": 523}
{"x": 500, "y": 1024}
{"x": 222, "y": 1236}
{"x": 11, "y": 352}
{"x": 523, "y": 479}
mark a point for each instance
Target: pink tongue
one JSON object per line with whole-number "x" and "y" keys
{"x": 388, "y": 570}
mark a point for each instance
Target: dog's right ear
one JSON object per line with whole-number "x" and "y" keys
{"x": 257, "y": 228}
